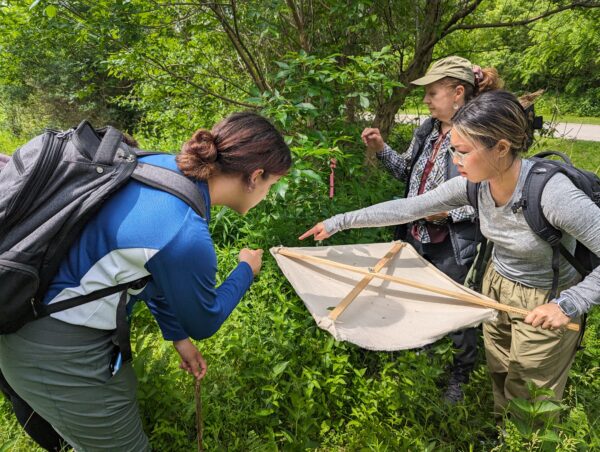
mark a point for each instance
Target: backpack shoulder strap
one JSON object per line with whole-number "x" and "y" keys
{"x": 472, "y": 194}
{"x": 531, "y": 201}
{"x": 543, "y": 154}
{"x": 531, "y": 204}
{"x": 171, "y": 182}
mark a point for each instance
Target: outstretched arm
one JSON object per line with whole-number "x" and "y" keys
{"x": 448, "y": 196}
{"x": 185, "y": 272}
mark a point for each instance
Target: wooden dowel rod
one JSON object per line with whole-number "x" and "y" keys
{"x": 483, "y": 301}
{"x": 342, "y": 305}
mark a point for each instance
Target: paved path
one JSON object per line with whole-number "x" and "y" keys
{"x": 588, "y": 132}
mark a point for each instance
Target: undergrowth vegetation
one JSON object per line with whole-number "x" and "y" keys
{"x": 277, "y": 382}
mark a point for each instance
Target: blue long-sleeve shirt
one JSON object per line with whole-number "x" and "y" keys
{"x": 144, "y": 231}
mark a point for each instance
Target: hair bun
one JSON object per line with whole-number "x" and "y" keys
{"x": 203, "y": 145}
{"x": 199, "y": 155}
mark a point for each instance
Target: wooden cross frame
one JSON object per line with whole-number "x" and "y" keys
{"x": 342, "y": 305}
{"x": 370, "y": 275}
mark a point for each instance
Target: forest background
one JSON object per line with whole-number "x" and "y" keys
{"x": 321, "y": 70}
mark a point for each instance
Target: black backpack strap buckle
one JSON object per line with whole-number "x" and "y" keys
{"x": 520, "y": 204}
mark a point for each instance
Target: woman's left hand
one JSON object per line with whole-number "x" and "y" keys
{"x": 318, "y": 231}
{"x": 192, "y": 360}
{"x": 548, "y": 316}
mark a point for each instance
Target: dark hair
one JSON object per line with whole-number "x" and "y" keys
{"x": 490, "y": 81}
{"x": 129, "y": 140}
{"x": 239, "y": 144}
{"x": 494, "y": 116}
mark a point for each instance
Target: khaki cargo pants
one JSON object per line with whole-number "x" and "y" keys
{"x": 516, "y": 352}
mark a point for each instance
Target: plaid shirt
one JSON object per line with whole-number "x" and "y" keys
{"x": 397, "y": 165}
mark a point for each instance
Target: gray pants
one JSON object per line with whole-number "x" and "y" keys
{"x": 62, "y": 372}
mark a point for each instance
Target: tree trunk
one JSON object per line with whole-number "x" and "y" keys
{"x": 386, "y": 113}
{"x": 428, "y": 35}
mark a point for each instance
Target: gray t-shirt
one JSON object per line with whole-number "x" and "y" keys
{"x": 519, "y": 254}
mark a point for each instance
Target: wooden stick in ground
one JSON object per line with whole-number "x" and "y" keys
{"x": 342, "y": 305}
{"x": 468, "y": 298}
{"x": 199, "y": 419}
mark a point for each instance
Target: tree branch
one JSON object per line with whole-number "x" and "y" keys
{"x": 583, "y": 4}
{"x": 460, "y": 15}
{"x": 75, "y": 16}
{"x": 241, "y": 49}
{"x": 299, "y": 22}
{"x": 205, "y": 90}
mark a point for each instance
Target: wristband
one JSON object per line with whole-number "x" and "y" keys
{"x": 565, "y": 306}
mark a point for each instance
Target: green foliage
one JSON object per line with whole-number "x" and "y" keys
{"x": 559, "y": 54}
{"x": 585, "y": 104}
{"x": 52, "y": 61}
{"x": 275, "y": 381}
{"x": 324, "y": 89}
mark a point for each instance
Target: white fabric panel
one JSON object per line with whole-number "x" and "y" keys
{"x": 385, "y": 315}
{"x": 118, "y": 266}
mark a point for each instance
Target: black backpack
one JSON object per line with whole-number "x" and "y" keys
{"x": 583, "y": 260}
{"x": 49, "y": 189}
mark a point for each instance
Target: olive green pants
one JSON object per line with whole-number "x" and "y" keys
{"x": 517, "y": 352}
{"x": 62, "y": 372}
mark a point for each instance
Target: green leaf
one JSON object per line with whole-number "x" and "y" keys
{"x": 281, "y": 188}
{"x": 550, "y": 436}
{"x": 310, "y": 174}
{"x": 306, "y": 106}
{"x": 8, "y": 446}
{"x": 254, "y": 100}
{"x": 522, "y": 405}
{"x": 364, "y": 101}
{"x": 279, "y": 368}
{"x": 51, "y": 11}
{"x": 34, "y": 4}
{"x": 547, "y": 406}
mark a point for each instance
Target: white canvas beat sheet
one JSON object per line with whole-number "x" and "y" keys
{"x": 385, "y": 315}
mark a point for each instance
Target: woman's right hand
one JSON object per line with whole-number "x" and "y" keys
{"x": 318, "y": 231}
{"x": 253, "y": 258}
{"x": 372, "y": 139}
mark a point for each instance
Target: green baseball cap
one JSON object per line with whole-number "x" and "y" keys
{"x": 453, "y": 66}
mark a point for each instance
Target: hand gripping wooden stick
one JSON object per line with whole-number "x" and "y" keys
{"x": 468, "y": 298}
{"x": 342, "y": 305}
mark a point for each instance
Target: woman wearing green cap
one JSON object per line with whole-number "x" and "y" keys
{"x": 448, "y": 239}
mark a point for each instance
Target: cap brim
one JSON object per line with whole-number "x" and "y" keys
{"x": 426, "y": 80}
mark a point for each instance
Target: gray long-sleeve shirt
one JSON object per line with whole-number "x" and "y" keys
{"x": 519, "y": 254}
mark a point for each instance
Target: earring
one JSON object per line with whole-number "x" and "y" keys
{"x": 455, "y": 106}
